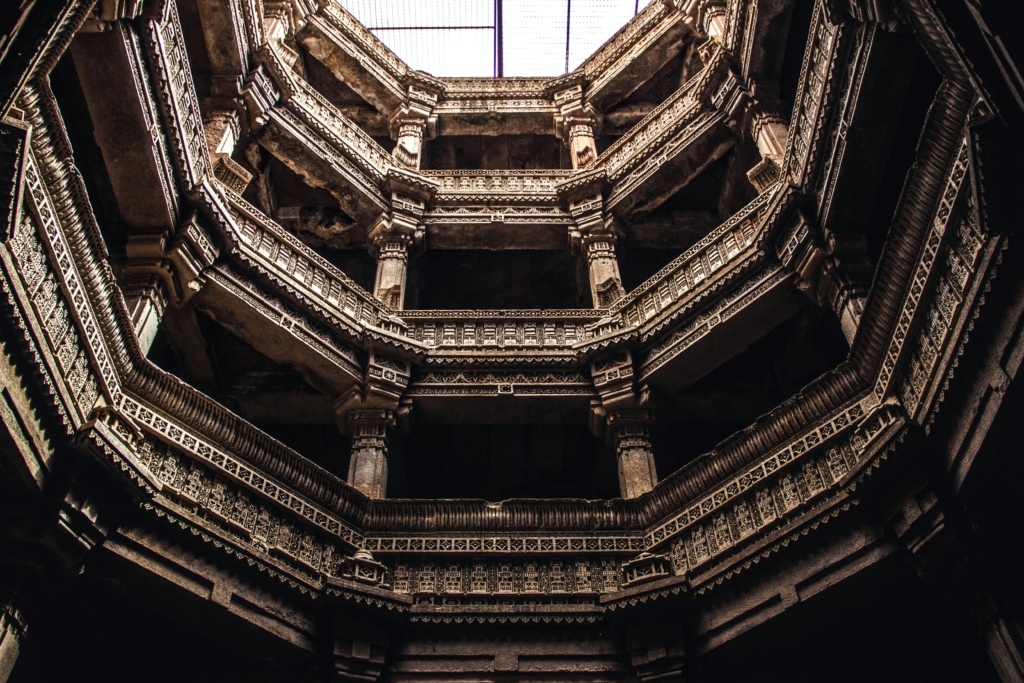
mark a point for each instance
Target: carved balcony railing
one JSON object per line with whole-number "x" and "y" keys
{"x": 293, "y": 266}
{"x": 502, "y": 186}
{"x": 517, "y": 331}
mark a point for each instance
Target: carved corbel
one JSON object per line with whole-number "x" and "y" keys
{"x": 414, "y": 121}
{"x": 578, "y": 124}
{"x": 366, "y": 414}
{"x": 770, "y": 134}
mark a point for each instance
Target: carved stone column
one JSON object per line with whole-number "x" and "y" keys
{"x": 396, "y": 231}
{"x": 414, "y": 121}
{"x": 633, "y": 453}
{"x": 770, "y": 135}
{"x": 392, "y": 266}
{"x": 161, "y": 271}
{"x": 368, "y": 414}
{"x": 222, "y": 132}
{"x": 578, "y": 124}
{"x": 368, "y": 466}
{"x": 146, "y": 298}
{"x": 597, "y": 236}
{"x": 621, "y": 416}
{"x": 12, "y": 632}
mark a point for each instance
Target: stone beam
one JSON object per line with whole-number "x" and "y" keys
{"x": 126, "y": 124}
{"x": 281, "y": 333}
{"x": 358, "y": 59}
{"x": 635, "y": 53}
{"x": 321, "y": 166}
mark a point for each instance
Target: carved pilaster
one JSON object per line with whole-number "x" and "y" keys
{"x": 578, "y": 124}
{"x": 414, "y": 122}
{"x": 770, "y": 134}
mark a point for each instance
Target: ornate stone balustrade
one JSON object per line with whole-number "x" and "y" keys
{"x": 520, "y": 330}
{"x": 295, "y": 267}
{"x": 682, "y": 280}
{"x": 501, "y": 186}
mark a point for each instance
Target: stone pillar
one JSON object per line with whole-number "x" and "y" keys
{"x": 603, "y": 265}
{"x": 845, "y": 279}
{"x": 621, "y": 416}
{"x": 368, "y": 466}
{"x": 578, "y": 124}
{"x": 391, "y": 236}
{"x": 633, "y": 453}
{"x": 146, "y": 298}
{"x": 367, "y": 414}
{"x": 160, "y": 270}
{"x": 392, "y": 266}
{"x": 770, "y": 135}
{"x": 396, "y": 231}
{"x": 414, "y": 121}
{"x": 12, "y": 632}
{"x": 597, "y": 237}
